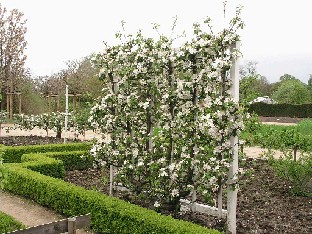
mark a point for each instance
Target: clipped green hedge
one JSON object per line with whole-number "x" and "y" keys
{"x": 13, "y": 154}
{"x": 281, "y": 110}
{"x": 43, "y": 164}
{"x": 73, "y": 160}
{"x": 9, "y": 224}
{"x": 109, "y": 215}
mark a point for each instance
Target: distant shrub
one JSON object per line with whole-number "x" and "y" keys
{"x": 305, "y": 127}
{"x": 298, "y": 173}
{"x": 281, "y": 110}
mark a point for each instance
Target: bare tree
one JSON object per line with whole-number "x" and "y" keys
{"x": 12, "y": 48}
{"x": 82, "y": 79}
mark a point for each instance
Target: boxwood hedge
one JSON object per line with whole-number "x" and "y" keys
{"x": 13, "y": 154}
{"x": 108, "y": 214}
{"x": 9, "y": 224}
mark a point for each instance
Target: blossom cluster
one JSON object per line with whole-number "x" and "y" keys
{"x": 54, "y": 121}
{"x": 166, "y": 114}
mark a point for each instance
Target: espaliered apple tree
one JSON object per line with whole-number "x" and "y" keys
{"x": 167, "y": 115}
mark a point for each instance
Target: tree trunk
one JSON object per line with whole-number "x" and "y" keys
{"x": 59, "y": 133}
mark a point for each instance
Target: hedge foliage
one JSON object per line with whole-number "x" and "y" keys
{"x": 281, "y": 110}
{"x": 9, "y": 224}
{"x": 109, "y": 215}
{"x": 13, "y": 154}
{"x": 73, "y": 160}
{"x": 44, "y": 165}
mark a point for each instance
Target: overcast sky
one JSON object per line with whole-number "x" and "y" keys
{"x": 277, "y": 35}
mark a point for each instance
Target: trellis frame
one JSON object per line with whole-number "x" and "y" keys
{"x": 230, "y": 213}
{"x": 233, "y": 171}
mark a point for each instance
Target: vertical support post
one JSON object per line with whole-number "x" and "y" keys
{"x": 71, "y": 225}
{"x": 220, "y": 202}
{"x": 74, "y": 102}
{"x": 111, "y": 167}
{"x": 11, "y": 106}
{"x": 20, "y": 103}
{"x": 232, "y": 192}
{"x": 11, "y": 97}
{"x": 66, "y": 112}
{"x": 8, "y": 104}
{"x": 49, "y": 103}
{"x": 111, "y": 179}
{"x": 194, "y": 199}
{"x": 58, "y": 103}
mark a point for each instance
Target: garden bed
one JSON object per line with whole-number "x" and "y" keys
{"x": 265, "y": 204}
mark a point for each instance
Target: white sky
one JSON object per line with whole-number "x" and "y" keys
{"x": 277, "y": 35}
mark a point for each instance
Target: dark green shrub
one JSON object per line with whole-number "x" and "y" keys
{"x": 281, "y": 110}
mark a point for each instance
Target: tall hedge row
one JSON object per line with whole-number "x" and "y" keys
{"x": 281, "y": 110}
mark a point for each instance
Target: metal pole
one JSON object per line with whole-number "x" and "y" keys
{"x": 66, "y": 112}
{"x": 232, "y": 193}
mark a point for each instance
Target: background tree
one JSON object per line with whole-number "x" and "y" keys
{"x": 51, "y": 89}
{"x": 287, "y": 77}
{"x": 82, "y": 78}
{"x": 12, "y": 48}
{"x": 33, "y": 101}
{"x": 252, "y": 84}
{"x": 310, "y": 82}
{"x": 292, "y": 91}
{"x": 82, "y": 81}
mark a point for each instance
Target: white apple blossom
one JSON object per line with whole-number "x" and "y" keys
{"x": 156, "y": 204}
{"x": 172, "y": 115}
{"x": 175, "y": 193}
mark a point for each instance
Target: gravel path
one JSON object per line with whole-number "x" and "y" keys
{"x": 28, "y": 212}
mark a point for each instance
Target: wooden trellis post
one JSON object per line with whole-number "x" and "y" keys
{"x": 75, "y": 101}
{"x": 66, "y": 111}
{"x": 232, "y": 192}
{"x": 9, "y": 100}
{"x": 19, "y": 103}
{"x": 114, "y": 81}
{"x": 56, "y": 99}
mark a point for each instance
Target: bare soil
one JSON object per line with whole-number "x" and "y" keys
{"x": 265, "y": 203}
{"x": 280, "y": 120}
